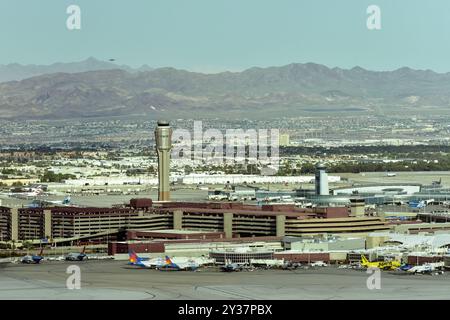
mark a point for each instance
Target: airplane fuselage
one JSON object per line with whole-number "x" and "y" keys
{"x": 32, "y": 259}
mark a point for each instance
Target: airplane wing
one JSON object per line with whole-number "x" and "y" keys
{"x": 146, "y": 264}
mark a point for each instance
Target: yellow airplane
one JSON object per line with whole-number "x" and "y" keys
{"x": 383, "y": 265}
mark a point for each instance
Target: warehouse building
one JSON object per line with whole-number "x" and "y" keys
{"x": 325, "y": 244}
{"x": 311, "y": 256}
{"x": 193, "y": 247}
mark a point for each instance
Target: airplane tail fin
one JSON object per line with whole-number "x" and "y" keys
{"x": 66, "y": 200}
{"x": 168, "y": 261}
{"x": 364, "y": 259}
{"x": 133, "y": 257}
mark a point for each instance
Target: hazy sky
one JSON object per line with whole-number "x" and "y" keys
{"x": 216, "y": 35}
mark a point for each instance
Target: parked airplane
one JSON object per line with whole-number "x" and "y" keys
{"x": 25, "y": 193}
{"x": 29, "y": 192}
{"x": 44, "y": 203}
{"x": 384, "y": 265}
{"x": 405, "y": 267}
{"x": 427, "y": 268}
{"x": 274, "y": 198}
{"x": 135, "y": 260}
{"x": 169, "y": 265}
{"x": 65, "y": 202}
{"x": 36, "y": 259}
{"x": 367, "y": 264}
{"x": 424, "y": 269}
{"x": 231, "y": 267}
{"x": 77, "y": 256}
{"x": 417, "y": 204}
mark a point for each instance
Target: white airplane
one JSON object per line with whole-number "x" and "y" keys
{"x": 135, "y": 260}
{"x": 218, "y": 197}
{"x": 271, "y": 199}
{"x": 25, "y": 192}
{"x": 166, "y": 264}
{"x": 427, "y": 268}
{"x": 42, "y": 203}
{"x": 169, "y": 265}
{"x": 65, "y": 202}
{"x": 29, "y": 192}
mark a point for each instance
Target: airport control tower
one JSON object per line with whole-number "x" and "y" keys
{"x": 321, "y": 180}
{"x": 163, "y": 138}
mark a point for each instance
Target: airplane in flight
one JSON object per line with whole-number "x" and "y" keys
{"x": 169, "y": 265}
{"x": 77, "y": 256}
{"x": 33, "y": 259}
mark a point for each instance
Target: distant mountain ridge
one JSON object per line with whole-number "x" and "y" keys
{"x": 15, "y": 71}
{"x": 263, "y": 92}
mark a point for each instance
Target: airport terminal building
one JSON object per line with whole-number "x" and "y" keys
{"x": 63, "y": 224}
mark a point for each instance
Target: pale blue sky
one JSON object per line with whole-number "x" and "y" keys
{"x": 215, "y": 35}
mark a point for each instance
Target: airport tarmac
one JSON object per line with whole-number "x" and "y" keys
{"x": 117, "y": 280}
{"x": 418, "y": 177}
{"x": 199, "y": 195}
{"x": 109, "y": 200}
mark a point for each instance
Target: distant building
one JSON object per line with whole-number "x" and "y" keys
{"x": 284, "y": 140}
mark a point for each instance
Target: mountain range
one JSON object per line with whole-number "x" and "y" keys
{"x": 101, "y": 89}
{"x": 15, "y": 71}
